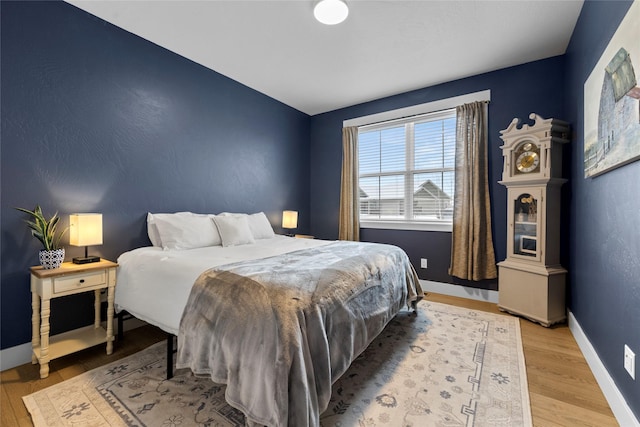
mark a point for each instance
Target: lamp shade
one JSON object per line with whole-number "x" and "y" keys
{"x": 290, "y": 219}
{"x": 331, "y": 12}
{"x": 85, "y": 229}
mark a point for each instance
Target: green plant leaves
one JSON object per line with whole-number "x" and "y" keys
{"x": 42, "y": 229}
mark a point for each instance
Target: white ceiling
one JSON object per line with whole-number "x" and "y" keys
{"x": 383, "y": 48}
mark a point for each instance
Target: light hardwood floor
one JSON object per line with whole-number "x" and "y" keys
{"x": 562, "y": 389}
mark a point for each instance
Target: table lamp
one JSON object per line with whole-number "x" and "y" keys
{"x": 290, "y": 220}
{"x": 85, "y": 229}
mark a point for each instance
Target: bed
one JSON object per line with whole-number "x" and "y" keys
{"x": 277, "y": 319}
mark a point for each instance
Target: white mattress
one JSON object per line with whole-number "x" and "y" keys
{"x": 154, "y": 284}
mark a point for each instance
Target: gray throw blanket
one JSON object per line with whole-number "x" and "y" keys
{"x": 280, "y": 330}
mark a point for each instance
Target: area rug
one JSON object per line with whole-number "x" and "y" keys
{"x": 445, "y": 366}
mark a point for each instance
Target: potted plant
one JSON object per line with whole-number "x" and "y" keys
{"x": 44, "y": 230}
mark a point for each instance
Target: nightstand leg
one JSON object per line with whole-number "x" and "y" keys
{"x": 35, "y": 325}
{"x": 110, "y": 298}
{"x": 44, "y": 338}
{"x": 96, "y": 306}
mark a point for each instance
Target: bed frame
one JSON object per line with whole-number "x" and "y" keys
{"x": 124, "y": 315}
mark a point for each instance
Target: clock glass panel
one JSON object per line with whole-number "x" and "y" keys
{"x": 525, "y": 227}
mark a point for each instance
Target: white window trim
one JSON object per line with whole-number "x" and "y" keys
{"x": 407, "y": 225}
{"x": 414, "y": 110}
{"x": 402, "y": 113}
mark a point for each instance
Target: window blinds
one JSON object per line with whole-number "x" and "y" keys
{"x": 406, "y": 168}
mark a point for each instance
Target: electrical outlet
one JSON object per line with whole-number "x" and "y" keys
{"x": 423, "y": 263}
{"x": 630, "y": 361}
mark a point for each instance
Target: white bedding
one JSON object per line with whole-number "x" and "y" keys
{"x": 154, "y": 284}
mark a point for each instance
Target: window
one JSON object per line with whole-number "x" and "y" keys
{"x": 406, "y": 172}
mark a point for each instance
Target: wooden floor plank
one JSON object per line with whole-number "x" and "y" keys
{"x": 549, "y": 411}
{"x": 562, "y": 389}
{"x": 7, "y": 415}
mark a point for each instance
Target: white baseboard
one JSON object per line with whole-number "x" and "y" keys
{"x": 21, "y": 354}
{"x": 616, "y": 400}
{"x": 15, "y": 356}
{"x": 459, "y": 291}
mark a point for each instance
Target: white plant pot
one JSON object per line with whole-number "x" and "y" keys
{"x": 51, "y": 259}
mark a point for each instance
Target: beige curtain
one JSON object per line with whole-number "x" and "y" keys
{"x": 472, "y": 255}
{"x": 349, "y": 228}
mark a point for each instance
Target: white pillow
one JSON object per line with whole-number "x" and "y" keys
{"x": 234, "y": 230}
{"x": 217, "y": 240}
{"x": 186, "y": 231}
{"x": 260, "y": 226}
{"x": 152, "y": 230}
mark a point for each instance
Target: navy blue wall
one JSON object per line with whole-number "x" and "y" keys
{"x": 97, "y": 119}
{"x": 515, "y": 92}
{"x": 604, "y": 269}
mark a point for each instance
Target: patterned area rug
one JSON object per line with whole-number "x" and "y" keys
{"x": 447, "y": 366}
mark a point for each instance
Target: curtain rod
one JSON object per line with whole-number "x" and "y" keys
{"x": 414, "y": 110}
{"x": 405, "y": 119}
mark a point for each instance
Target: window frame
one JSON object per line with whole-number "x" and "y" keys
{"x": 403, "y": 113}
{"x": 409, "y": 171}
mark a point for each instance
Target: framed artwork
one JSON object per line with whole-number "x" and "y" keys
{"x": 612, "y": 101}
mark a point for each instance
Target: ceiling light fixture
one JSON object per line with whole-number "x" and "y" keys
{"x": 331, "y": 12}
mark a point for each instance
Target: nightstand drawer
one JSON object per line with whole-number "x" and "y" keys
{"x": 77, "y": 281}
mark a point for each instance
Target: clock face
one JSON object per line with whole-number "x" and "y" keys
{"x": 527, "y": 158}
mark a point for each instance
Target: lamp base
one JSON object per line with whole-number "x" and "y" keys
{"x": 86, "y": 259}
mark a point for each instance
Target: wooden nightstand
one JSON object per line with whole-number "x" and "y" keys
{"x": 303, "y": 236}
{"x": 69, "y": 279}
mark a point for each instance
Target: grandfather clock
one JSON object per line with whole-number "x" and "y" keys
{"x": 531, "y": 281}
